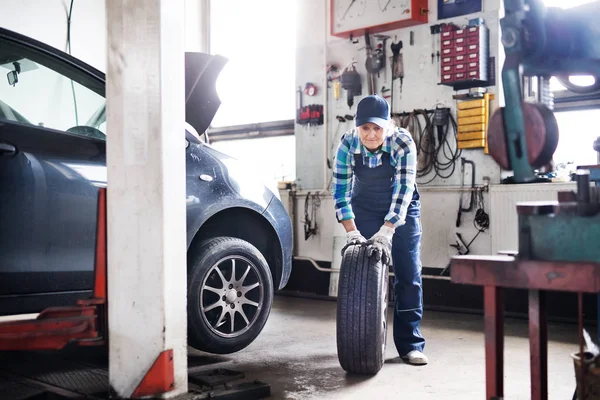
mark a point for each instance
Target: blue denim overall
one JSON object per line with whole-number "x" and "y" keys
{"x": 371, "y": 201}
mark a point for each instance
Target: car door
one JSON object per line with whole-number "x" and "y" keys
{"x": 52, "y": 161}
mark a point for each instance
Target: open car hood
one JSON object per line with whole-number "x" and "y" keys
{"x": 201, "y": 73}
{"x": 201, "y": 99}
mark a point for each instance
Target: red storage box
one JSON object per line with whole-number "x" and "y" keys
{"x": 473, "y": 48}
{"x": 460, "y": 33}
{"x": 474, "y": 30}
{"x": 447, "y": 43}
{"x": 473, "y": 39}
{"x": 460, "y": 41}
{"x": 447, "y": 35}
{"x": 460, "y": 68}
{"x": 447, "y": 69}
{"x": 448, "y": 77}
{"x": 459, "y": 59}
{"x": 458, "y": 50}
{"x": 447, "y": 61}
{"x": 476, "y": 74}
{"x": 449, "y": 52}
{"x": 461, "y": 76}
{"x": 473, "y": 65}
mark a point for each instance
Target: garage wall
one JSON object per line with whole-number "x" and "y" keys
{"x": 316, "y": 49}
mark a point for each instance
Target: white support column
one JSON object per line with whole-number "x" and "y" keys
{"x": 146, "y": 192}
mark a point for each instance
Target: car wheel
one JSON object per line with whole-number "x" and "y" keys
{"x": 361, "y": 312}
{"x": 230, "y": 293}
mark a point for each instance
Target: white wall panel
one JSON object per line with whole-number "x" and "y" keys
{"x": 504, "y": 199}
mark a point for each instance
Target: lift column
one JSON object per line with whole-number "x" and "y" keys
{"x": 146, "y": 198}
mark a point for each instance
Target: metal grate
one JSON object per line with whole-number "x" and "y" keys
{"x": 70, "y": 375}
{"x": 78, "y": 378}
{"x": 12, "y": 389}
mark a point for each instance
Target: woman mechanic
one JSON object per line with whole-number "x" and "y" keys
{"x": 376, "y": 197}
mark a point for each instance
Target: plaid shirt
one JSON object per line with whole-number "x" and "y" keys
{"x": 403, "y": 156}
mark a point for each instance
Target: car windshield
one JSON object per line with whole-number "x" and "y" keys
{"x": 36, "y": 90}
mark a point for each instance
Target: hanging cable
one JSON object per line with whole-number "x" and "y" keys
{"x": 435, "y": 134}
{"x": 482, "y": 219}
{"x": 312, "y": 202}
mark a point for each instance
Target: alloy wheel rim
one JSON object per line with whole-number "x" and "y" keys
{"x": 231, "y": 296}
{"x": 384, "y": 304}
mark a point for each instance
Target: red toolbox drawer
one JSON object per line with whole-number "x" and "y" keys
{"x": 447, "y": 43}
{"x": 460, "y": 68}
{"x": 472, "y": 65}
{"x": 447, "y": 61}
{"x": 473, "y": 39}
{"x": 473, "y": 48}
{"x": 458, "y": 50}
{"x": 472, "y": 30}
{"x": 448, "y": 78}
{"x": 473, "y": 57}
{"x": 460, "y": 58}
{"x": 460, "y": 41}
{"x": 476, "y": 74}
{"x": 460, "y": 33}
{"x": 447, "y": 35}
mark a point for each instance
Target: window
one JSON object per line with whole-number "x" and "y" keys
{"x": 555, "y": 85}
{"x": 258, "y": 37}
{"x": 273, "y": 158}
{"x": 576, "y": 139}
{"x": 33, "y": 93}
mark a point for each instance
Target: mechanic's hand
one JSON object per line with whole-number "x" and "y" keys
{"x": 381, "y": 246}
{"x": 355, "y": 237}
{"x": 352, "y": 238}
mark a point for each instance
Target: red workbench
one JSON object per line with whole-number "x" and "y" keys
{"x": 495, "y": 273}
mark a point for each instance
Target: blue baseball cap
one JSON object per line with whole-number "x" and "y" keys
{"x": 373, "y": 109}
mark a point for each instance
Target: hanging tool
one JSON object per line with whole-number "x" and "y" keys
{"x": 299, "y": 110}
{"x": 373, "y": 63}
{"x": 462, "y": 187}
{"x": 381, "y": 54}
{"x": 435, "y": 29}
{"x": 350, "y": 81}
{"x": 383, "y": 92}
{"x": 397, "y": 69}
{"x": 333, "y": 143}
{"x": 336, "y": 90}
{"x": 333, "y": 75}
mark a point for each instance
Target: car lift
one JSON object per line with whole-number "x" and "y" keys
{"x": 86, "y": 324}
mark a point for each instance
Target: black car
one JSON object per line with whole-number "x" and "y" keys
{"x": 52, "y": 162}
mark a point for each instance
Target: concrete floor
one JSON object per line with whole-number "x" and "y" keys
{"x": 296, "y": 354}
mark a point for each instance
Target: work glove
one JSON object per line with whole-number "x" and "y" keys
{"x": 353, "y": 238}
{"x": 381, "y": 244}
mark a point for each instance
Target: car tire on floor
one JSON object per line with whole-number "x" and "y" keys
{"x": 230, "y": 293}
{"x": 361, "y": 312}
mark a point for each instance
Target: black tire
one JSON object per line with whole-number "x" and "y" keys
{"x": 361, "y": 312}
{"x": 211, "y": 294}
